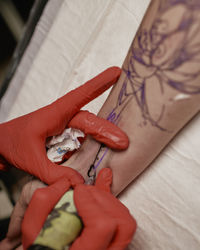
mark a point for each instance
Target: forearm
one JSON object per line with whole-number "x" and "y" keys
{"x": 157, "y": 93}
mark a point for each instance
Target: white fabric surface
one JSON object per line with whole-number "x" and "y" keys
{"x": 85, "y": 38}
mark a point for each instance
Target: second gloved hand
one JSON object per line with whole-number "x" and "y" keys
{"x": 107, "y": 223}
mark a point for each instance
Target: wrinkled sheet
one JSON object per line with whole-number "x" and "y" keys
{"x": 84, "y": 38}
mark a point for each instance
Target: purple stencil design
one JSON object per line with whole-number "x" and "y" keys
{"x": 152, "y": 45}
{"x": 99, "y": 161}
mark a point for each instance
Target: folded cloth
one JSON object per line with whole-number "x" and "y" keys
{"x": 61, "y": 144}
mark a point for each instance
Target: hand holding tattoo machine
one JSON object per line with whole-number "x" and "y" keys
{"x": 23, "y": 143}
{"x": 105, "y": 222}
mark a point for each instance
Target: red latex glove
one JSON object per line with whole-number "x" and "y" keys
{"x": 23, "y": 139}
{"x": 108, "y": 224}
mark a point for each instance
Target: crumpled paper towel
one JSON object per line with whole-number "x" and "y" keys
{"x": 59, "y": 145}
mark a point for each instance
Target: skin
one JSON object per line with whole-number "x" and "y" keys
{"x": 13, "y": 239}
{"x": 156, "y": 95}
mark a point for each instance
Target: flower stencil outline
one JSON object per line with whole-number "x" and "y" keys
{"x": 167, "y": 54}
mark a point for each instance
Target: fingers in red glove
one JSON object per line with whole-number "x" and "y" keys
{"x": 23, "y": 139}
{"x": 104, "y": 180}
{"x": 107, "y": 222}
{"x": 99, "y": 228}
{"x": 102, "y": 130}
{"x": 126, "y": 225}
{"x": 55, "y": 116}
{"x": 51, "y": 172}
{"x": 41, "y": 204}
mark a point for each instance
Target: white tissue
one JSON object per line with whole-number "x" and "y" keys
{"x": 59, "y": 145}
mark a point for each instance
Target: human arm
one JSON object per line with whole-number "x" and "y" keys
{"x": 157, "y": 93}
{"x": 124, "y": 172}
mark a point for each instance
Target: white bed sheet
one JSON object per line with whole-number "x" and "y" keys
{"x": 86, "y": 37}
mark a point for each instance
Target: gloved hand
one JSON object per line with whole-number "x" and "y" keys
{"x": 108, "y": 225}
{"x": 23, "y": 139}
{"x": 107, "y": 222}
